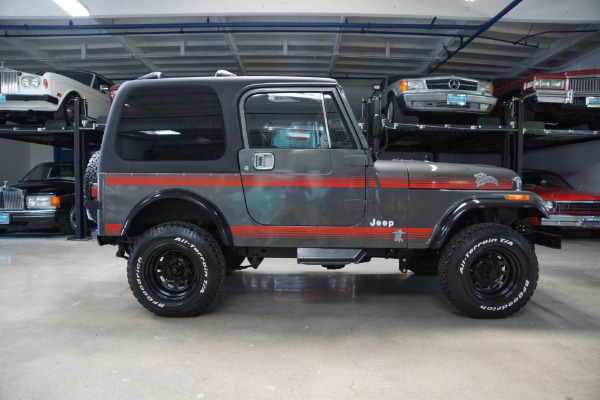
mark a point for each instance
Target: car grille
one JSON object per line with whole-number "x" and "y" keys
{"x": 444, "y": 84}
{"x": 589, "y": 84}
{"x": 578, "y": 208}
{"x": 12, "y": 199}
{"x": 8, "y": 80}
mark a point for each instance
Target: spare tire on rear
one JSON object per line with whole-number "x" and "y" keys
{"x": 90, "y": 177}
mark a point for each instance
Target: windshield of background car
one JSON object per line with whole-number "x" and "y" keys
{"x": 544, "y": 179}
{"x": 50, "y": 173}
{"x": 296, "y": 120}
{"x": 171, "y": 123}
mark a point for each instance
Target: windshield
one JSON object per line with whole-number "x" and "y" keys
{"x": 544, "y": 179}
{"x": 47, "y": 172}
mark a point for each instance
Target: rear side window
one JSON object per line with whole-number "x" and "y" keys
{"x": 171, "y": 123}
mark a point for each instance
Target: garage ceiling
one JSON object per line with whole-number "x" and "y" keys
{"x": 346, "y": 41}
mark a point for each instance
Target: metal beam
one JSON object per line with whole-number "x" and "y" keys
{"x": 33, "y": 52}
{"x": 557, "y": 47}
{"x": 234, "y": 50}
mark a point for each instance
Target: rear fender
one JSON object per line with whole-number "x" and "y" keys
{"x": 197, "y": 210}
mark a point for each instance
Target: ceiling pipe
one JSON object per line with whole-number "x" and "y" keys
{"x": 481, "y": 30}
{"x": 233, "y": 25}
{"x": 223, "y": 31}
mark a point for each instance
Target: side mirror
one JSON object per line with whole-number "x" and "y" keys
{"x": 377, "y": 87}
{"x": 103, "y": 88}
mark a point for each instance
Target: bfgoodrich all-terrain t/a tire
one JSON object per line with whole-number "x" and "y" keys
{"x": 488, "y": 271}
{"x": 176, "y": 270}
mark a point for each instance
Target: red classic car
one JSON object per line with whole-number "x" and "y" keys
{"x": 568, "y": 207}
{"x": 565, "y": 100}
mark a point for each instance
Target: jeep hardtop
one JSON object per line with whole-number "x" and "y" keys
{"x": 196, "y": 175}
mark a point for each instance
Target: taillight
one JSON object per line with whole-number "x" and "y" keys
{"x": 94, "y": 191}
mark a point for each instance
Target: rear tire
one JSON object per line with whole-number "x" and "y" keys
{"x": 488, "y": 271}
{"x": 176, "y": 270}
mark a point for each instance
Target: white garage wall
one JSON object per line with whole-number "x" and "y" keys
{"x": 17, "y": 158}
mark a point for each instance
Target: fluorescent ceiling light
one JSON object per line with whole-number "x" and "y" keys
{"x": 73, "y": 7}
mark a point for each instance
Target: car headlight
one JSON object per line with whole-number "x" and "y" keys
{"x": 410, "y": 85}
{"x": 550, "y": 205}
{"x": 546, "y": 84}
{"x": 33, "y": 81}
{"x": 486, "y": 87}
{"x": 43, "y": 201}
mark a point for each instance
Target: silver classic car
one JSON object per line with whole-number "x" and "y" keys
{"x": 27, "y": 98}
{"x": 438, "y": 99}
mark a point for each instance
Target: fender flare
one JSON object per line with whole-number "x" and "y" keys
{"x": 440, "y": 233}
{"x": 208, "y": 207}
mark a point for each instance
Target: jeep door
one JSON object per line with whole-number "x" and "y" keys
{"x": 301, "y": 165}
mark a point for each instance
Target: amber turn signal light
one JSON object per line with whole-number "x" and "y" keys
{"x": 518, "y": 197}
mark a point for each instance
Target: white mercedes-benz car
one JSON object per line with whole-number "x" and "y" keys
{"x": 26, "y": 98}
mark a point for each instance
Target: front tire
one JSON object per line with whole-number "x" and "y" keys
{"x": 176, "y": 270}
{"x": 393, "y": 112}
{"x": 488, "y": 271}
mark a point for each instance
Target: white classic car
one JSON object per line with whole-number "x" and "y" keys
{"x": 26, "y": 98}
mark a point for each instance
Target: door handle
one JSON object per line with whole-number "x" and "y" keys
{"x": 264, "y": 161}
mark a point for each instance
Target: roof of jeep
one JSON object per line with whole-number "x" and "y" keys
{"x": 235, "y": 81}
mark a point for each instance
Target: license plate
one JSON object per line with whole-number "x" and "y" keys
{"x": 4, "y": 220}
{"x": 2, "y": 98}
{"x": 590, "y": 223}
{"x": 592, "y": 101}
{"x": 457, "y": 99}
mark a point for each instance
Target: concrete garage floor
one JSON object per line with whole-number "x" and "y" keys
{"x": 71, "y": 329}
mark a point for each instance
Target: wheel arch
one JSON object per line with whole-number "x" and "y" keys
{"x": 177, "y": 205}
{"x": 483, "y": 210}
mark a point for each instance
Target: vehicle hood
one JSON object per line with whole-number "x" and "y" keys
{"x": 562, "y": 194}
{"x": 58, "y": 188}
{"x": 433, "y": 175}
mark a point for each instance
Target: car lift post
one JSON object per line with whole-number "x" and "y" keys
{"x": 80, "y": 151}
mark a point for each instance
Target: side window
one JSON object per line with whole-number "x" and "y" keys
{"x": 341, "y": 136}
{"x": 171, "y": 123}
{"x": 293, "y": 120}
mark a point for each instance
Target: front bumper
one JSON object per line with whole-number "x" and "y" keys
{"x": 28, "y": 102}
{"x": 438, "y": 101}
{"x": 571, "y": 221}
{"x": 31, "y": 220}
{"x": 549, "y": 96}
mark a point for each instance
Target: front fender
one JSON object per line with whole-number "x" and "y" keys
{"x": 526, "y": 208}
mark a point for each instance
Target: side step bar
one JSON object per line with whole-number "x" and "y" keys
{"x": 320, "y": 256}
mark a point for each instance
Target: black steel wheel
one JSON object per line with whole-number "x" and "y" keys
{"x": 488, "y": 271}
{"x": 176, "y": 270}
